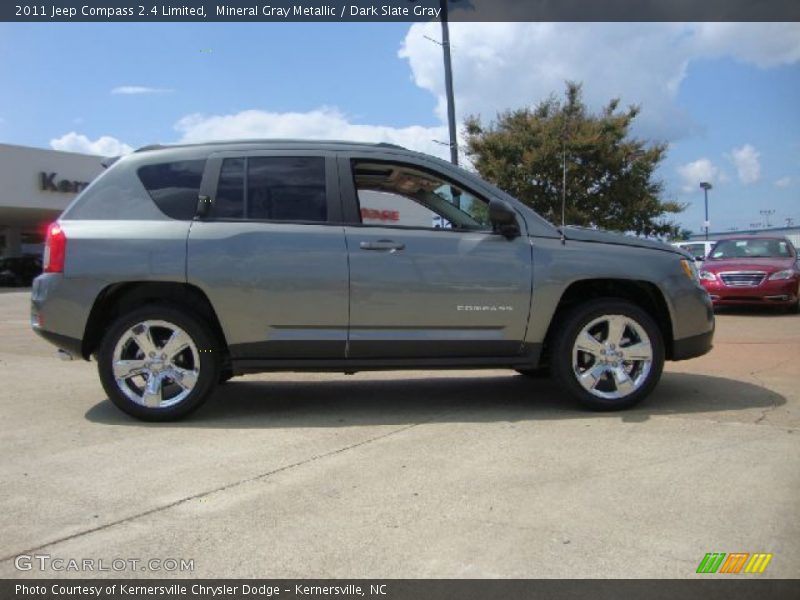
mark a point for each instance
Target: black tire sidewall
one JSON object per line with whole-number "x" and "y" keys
{"x": 574, "y": 322}
{"x": 208, "y": 352}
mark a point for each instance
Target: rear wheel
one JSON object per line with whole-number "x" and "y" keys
{"x": 609, "y": 354}
{"x": 158, "y": 363}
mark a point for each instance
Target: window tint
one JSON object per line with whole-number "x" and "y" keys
{"x": 276, "y": 189}
{"x": 395, "y": 194}
{"x": 174, "y": 186}
{"x": 286, "y": 189}
{"x": 752, "y": 248}
{"x": 229, "y": 201}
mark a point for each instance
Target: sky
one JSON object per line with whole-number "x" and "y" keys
{"x": 724, "y": 96}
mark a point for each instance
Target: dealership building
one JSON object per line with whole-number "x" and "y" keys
{"x": 35, "y": 186}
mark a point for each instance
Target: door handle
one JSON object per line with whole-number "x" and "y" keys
{"x": 382, "y": 245}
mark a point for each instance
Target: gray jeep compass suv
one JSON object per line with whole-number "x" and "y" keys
{"x": 183, "y": 266}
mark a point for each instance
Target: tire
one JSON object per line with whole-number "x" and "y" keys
{"x": 182, "y": 378}
{"x": 582, "y": 347}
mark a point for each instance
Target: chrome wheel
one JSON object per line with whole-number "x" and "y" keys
{"x": 612, "y": 357}
{"x": 155, "y": 364}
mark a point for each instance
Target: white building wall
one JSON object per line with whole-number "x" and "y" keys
{"x": 21, "y": 171}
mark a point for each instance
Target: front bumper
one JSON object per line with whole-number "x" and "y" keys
{"x": 694, "y": 346}
{"x": 780, "y": 293}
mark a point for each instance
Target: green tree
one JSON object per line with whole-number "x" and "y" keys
{"x": 610, "y": 175}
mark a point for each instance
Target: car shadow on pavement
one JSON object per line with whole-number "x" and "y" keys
{"x": 338, "y": 403}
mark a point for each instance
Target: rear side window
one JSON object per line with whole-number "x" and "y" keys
{"x": 174, "y": 186}
{"x": 272, "y": 189}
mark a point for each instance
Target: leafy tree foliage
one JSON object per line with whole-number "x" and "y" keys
{"x": 610, "y": 180}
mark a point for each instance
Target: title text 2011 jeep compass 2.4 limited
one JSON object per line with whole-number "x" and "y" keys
{"x": 182, "y": 266}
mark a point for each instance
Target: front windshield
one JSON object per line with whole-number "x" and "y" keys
{"x": 756, "y": 248}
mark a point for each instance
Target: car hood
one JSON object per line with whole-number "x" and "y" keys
{"x": 599, "y": 236}
{"x": 747, "y": 264}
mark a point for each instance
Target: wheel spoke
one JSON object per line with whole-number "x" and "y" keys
{"x": 176, "y": 344}
{"x": 185, "y": 378}
{"x": 622, "y": 381}
{"x": 616, "y": 329}
{"x": 152, "y": 391}
{"x": 141, "y": 335}
{"x": 586, "y": 342}
{"x": 590, "y": 378}
{"x": 125, "y": 369}
{"x": 639, "y": 351}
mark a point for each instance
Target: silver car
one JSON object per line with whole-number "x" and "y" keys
{"x": 183, "y": 266}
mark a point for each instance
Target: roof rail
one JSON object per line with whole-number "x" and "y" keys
{"x": 150, "y": 147}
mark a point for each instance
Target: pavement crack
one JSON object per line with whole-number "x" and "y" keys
{"x": 756, "y": 375}
{"x": 221, "y": 488}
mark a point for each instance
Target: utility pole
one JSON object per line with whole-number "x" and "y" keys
{"x": 767, "y": 213}
{"x": 448, "y": 84}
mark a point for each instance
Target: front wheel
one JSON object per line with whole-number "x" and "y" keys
{"x": 609, "y": 354}
{"x": 158, "y": 363}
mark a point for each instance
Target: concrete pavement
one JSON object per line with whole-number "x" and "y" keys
{"x": 415, "y": 474}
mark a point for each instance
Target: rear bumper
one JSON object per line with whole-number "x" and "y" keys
{"x": 62, "y": 342}
{"x": 690, "y": 347}
{"x": 59, "y": 310}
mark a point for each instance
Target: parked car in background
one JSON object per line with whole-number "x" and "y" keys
{"x": 19, "y": 271}
{"x": 755, "y": 270}
{"x": 180, "y": 267}
{"x": 699, "y": 249}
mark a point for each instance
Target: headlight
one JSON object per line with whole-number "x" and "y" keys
{"x": 689, "y": 268}
{"x": 787, "y": 274}
{"x": 707, "y": 276}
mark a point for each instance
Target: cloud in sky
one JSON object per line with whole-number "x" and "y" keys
{"x": 699, "y": 170}
{"x": 104, "y": 145}
{"x": 322, "y": 123}
{"x": 746, "y": 161}
{"x": 783, "y": 182}
{"x": 506, "y": 65}
{"x": 132, "y": 90}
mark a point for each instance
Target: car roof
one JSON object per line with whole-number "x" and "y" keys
{"x": 278, "y": 143}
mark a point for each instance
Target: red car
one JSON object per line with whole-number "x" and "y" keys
{"x": 755, "y": 270}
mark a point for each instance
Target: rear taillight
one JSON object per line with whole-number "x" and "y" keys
{"x": 55, "y": 248}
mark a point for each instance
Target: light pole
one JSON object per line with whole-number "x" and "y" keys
{"x": 706, "y": 186}
{"x": 766, "y": 214}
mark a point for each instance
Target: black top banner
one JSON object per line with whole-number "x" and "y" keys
{"x": 399, "y": 10}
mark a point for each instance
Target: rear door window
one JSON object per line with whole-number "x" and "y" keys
{"x": 272, "y": 188}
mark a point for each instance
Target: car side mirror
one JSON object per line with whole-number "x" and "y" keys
{"x": 503, "y": 218}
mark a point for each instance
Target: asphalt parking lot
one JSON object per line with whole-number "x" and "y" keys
{"x": 416, "y": 474}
